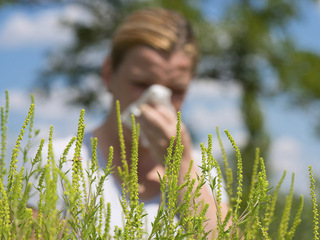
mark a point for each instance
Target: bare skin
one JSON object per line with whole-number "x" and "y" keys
{"x": 142, "y": 67}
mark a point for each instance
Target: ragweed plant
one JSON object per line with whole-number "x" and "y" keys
{"x": 132, "y": 208}
{"x": 4, "y": 122}
{"x": 85, "y": 214}
{"x": 314, "y": 205}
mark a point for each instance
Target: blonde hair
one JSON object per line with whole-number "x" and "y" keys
{"x": 162, "y": 29}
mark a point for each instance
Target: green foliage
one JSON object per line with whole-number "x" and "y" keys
{"x": 85, "y": 207}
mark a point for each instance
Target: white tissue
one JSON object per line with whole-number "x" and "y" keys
{"x": 156, "y": 94}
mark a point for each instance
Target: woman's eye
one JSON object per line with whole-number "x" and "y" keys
{"x": 178, "y": 92}
{"x": 141, "y": 85}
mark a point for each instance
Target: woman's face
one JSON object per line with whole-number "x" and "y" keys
{"x": 143, "y": 67}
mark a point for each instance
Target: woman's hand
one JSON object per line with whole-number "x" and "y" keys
{"x": 159, "y": 124}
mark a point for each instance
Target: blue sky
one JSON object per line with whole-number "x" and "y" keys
{"x": 26, "y": 34}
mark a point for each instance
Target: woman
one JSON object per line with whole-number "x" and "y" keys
{"x": 153, "y": 46}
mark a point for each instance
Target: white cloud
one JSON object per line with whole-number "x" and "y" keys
{"x": 52, "y": 108}
{"x": 286, "y": 153}
{"x": 214, "y": 89}
{"x": 50, "y": 111}
{"x": 41, "y": 29}
{"x": 210, "y": 104}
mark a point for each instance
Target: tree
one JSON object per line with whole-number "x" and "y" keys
{"x": 256, "y": 40}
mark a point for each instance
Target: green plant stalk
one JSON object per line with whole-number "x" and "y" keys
{"x": 314, "y": 206}
{"x": 4, "y": 130}
{"x": 5, "y": 225}
{"x": 77, "y": 172}
{"x": 269, "y": 213}
{"x": 254, "y": 177}
{"x": 173, "y": 178}
{"x": 135, "y": 219}
{"x": 239, "y": 186}
{"x": 283, "y": 228}
{"x": 296, "y": 220}
{"x": 213, "y": 164}
{"x": 15, "y": 152}
{"x": 228, "y": 170}
{"x": 125, "y": 168}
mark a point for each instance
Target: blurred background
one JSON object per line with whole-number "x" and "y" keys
{"x": 259, "y": 74}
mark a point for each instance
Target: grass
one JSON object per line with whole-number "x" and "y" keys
{"x": 86, "y": 215}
